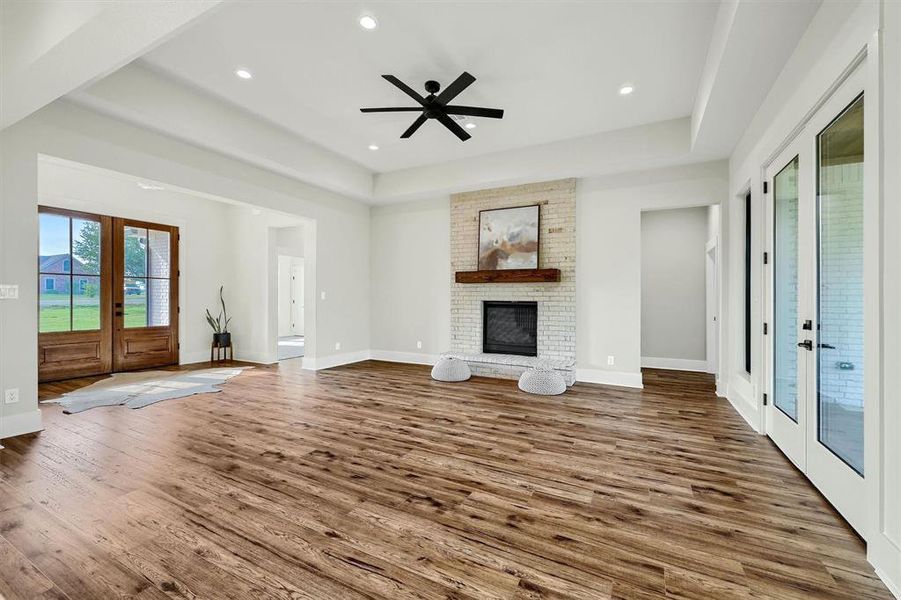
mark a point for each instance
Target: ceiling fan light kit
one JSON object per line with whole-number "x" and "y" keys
{"x": 436, "y": 105}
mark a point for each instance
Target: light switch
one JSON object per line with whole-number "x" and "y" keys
{"x": 9, "y": 292}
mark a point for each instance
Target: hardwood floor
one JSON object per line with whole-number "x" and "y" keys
{"x": 373, "y": 481}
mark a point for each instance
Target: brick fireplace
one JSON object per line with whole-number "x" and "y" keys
{"x": 555, "y": 301}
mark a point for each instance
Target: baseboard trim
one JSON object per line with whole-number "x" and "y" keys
{"x": 744, "y": 405}
{"x": 893, "y": 587}
{"x": 21, "y": 424}
{"x": 617, "y": 378}
{"x": 192, "y": 358}
{"x": 334, "y": 360}
{"x": 413, "y": 358}
{"x": 674, "y": 364}
{"x": 720, "y": 392}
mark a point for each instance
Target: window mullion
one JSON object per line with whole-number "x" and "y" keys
{"x": 71, "y": 281}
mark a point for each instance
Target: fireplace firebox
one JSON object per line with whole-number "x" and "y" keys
{"x": 510, "y": 328}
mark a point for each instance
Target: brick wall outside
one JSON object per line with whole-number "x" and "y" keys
{"x": 158, "y": 289}
{"x": 557, "y": 249}
{"x": 785, "y": 325}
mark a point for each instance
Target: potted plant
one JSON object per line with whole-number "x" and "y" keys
{"x": 221, "y": 336}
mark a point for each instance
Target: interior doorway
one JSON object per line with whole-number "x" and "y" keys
{"x": 675, "y": 289}
{"x": 291, "y": 339}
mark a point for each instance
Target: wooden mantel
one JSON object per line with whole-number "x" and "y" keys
{"x": 509, "y": 276}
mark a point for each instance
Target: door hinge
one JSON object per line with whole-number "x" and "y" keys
{"x": 766, "y": 258}
{"x": 765, "y": 187}
{"x": 765, "y": 329}
{"x": 764, "y": 400}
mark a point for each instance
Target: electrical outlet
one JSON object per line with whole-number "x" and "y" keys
{"x": 419, "y": 344}
{"x": 11, "y": 396}
{"x": 9, "y": 292}
{"x": 610, "y": 361}
{"x": 322, "y": 295}
{"x": 337, "y": 345}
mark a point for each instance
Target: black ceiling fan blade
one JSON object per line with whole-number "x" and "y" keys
{"x": 475, "y": 111}
{"x": 453, "y": 126}
{"x": 450, "y": 92}
{"x": 392, "y": 109}
{"x": 416, "y": 125}
{"x": 453, "y": 90}
{"x": 405, "y": 88}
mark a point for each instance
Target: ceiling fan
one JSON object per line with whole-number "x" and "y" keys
{"x": 436, "y": 106}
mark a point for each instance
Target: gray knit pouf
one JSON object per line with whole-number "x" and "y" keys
{"x": 546, "y": 382}
{"x": 451, "y": 369}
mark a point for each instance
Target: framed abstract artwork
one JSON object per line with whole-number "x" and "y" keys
{"x": 508, "y": 238}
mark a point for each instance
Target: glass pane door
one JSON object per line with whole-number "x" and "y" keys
{"x": 785, "y": 290}
{"x": 74, "y": 294}
{"x": 147, "y": 269}
{"x": 69, "y": 278}
{"x": 840, "y": 366}
{"x": 820, "y": 212}
{"x": 146, "y": 294}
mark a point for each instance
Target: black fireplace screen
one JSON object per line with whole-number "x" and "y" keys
{"x": 510, "y": 328}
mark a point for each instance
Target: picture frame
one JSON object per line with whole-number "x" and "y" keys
{"x": 509, "y": 238}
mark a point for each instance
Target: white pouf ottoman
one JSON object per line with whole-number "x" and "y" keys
{"x": 546, "y": 382}
{"x": 451, "y": 369}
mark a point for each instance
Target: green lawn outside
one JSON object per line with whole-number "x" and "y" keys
{"x": 54, "y": 313}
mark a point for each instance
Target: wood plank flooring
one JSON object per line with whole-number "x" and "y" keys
{"x": 373, "y": 481}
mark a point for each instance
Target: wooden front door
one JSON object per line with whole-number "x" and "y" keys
{"x": 74, "y": 294}
{"x": 108, "y": 294}
{"x": 145, "y": 294}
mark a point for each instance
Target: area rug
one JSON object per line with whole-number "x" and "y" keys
{"x": 137, "y": 390}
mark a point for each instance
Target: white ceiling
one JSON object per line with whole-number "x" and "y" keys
{"x": 554, "y": 67}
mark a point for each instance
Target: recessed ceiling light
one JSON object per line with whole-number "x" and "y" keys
{"x": 244, "y": 74}
{"x": 368, "y": 22}
{"x": 470, "y": 126}
{"x": 373, "y": 147}
{"x": 626, "y": 89}
{"x": 149, "y": 186}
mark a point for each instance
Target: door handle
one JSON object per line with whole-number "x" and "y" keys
{"x": 806, "y": 344}
{"x": 827, "y": 346}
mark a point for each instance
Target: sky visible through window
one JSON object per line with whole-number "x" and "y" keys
{"x": 54, "y": 235}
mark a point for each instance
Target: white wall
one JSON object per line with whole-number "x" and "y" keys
{"x": 411, "y": 280}
{"x": 290, "y": 241}
{"x": 338, "y": 232}
{"x": 608, "y": 279}
{"x": 673, "y": 288}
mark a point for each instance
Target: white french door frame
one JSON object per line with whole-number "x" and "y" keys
{"x": 851, "y": 495}
{"x": 788, "y": 433}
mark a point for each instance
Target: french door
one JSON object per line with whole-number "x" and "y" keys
{"x": 108, "y": 294}
{"x": 145, "y": 295}
{"x": 815, "y": 312}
